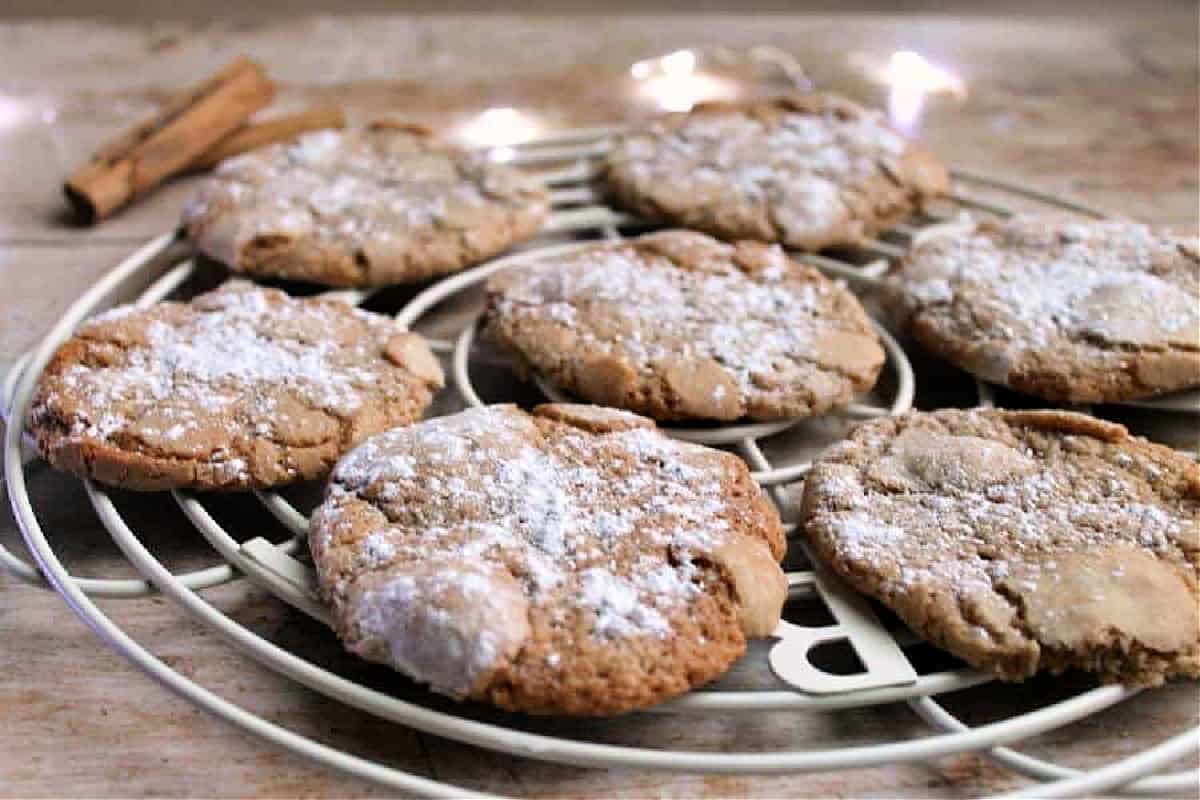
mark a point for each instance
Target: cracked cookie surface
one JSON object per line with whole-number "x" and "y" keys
{"x": 679, "y": 326}
{"x": 240, "y": 388}
{"x": 809, "y": 172}
{"x": 1072, "y": 312}
{"x": 1019, "y": 540}
{"x": 569, "y": 561}
{"x": 385, "y": 205}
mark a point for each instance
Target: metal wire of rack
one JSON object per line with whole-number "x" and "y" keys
{"x": 568, "y": 164}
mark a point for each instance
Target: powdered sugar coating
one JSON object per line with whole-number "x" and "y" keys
{"x": 752, "y": 331}
{"x": 232, "y": 380}
{"x": 809, "y": 171}
{"x": 545, "y": 509}
{"x": 383, "y": 205}
{"x": 1080, "y": 312}
{"x": 603, "y": 533}
{"x": 964, "y": 522}
{"x": 449, "y": 626}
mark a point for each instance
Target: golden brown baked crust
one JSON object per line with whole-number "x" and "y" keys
{"x": 385, "y": 205}
{"x": 569, "y": 561}
{"x": 1072, "y": 312}
{"x": 679, "y": 326}
{"x": 240, "y": 388}
{"x": 807, "y": 171}
{"x": 1019, "y": 540}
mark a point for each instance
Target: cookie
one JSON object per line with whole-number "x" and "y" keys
{"x": 1019, "y": 540}
{"x": 1071, "y": 312}
{"x": 384, "y": 205}
{"x": 569, "y": 561}
{"x": 678, "y": 326}
{"x": 240, "y": 388}
{"x": 809, "y": 171}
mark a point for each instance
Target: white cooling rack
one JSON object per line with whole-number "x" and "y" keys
{"x": 568, "y": 163}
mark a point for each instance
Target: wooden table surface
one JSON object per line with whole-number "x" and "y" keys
{"x": 1098, "y": 105}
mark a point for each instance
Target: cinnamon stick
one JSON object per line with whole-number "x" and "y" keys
{"x": 280, "y": 129}
{"x": 188, "y": 125}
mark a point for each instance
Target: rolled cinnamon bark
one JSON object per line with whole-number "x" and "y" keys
{"x": 259, "y": 134}
{"x": 187, "y": 126}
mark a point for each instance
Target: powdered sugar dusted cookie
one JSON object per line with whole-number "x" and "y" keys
{"x": 809, "y": 171}
{"x": 239, "y": 388}
{"x": 679, "y": 326}
{"x": 384, "y": 205}
{"x": 1076, "y": 312}
{"x": 569, "y": 561}
{"x": 1020, "y": 540}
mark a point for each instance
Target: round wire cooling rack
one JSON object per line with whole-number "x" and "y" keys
{"x": 568, "y": 164}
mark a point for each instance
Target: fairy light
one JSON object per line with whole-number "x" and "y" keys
{"x": 910, "y": 78}
{"x": 13, "y": 112}
{"x": 502, "y": 154}
{"x": 679, "y": 63}
{"x": 673, "y": 83}
{"x": 499, "y": 128}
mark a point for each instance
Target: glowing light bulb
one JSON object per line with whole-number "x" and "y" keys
{"x": 911, "y": 77}
{"x": 497, "y": 128}
{"x": 13, "y": 112}
{"x": 681, "y": 62}
{"x": 673, "y": 83}
{"x": 502, "y": 154}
